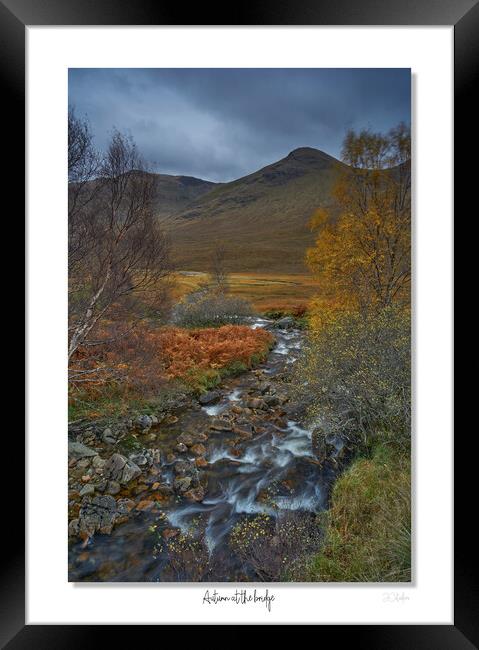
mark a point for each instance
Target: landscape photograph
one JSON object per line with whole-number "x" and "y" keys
{"x": 239, "y": 325}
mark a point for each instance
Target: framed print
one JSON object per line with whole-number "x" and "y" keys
{"x": 239, "y": 324}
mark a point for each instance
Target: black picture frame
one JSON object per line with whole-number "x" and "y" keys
{"x": 15, "y": 16}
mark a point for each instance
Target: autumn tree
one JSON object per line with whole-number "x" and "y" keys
{"x": 362, "y": 251}
{"x": 126, "y": 255}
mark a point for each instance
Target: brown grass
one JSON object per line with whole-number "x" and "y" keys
{"x": 265, "y": 291}
{"x": 140, "y": 364}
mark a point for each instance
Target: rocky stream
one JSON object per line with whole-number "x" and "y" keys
{"x": 159, "y": 502}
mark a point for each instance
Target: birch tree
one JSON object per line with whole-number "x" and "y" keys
{"x": 362, "y": 255}
{"x": 126, "y": 256}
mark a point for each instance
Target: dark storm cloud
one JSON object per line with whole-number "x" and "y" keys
{"x": 221, "y": 124}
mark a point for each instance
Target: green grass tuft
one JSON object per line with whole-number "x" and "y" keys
{"x": 368, "y": 526}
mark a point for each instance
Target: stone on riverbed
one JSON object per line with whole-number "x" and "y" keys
{"x": 87, "y": 490}
{"x": 145, "y": 421}
{"x": 73, "y": 528}
{"x": 210, "y": 397}
{"x": 97, "y": 514}
{"x": 145, "y": 505}
{"x": 198, "y": 494}
{"x": 323, "y": 445}
{"x": 256, "y": 403}
{"x": 198, "y": 449}
{"x": 118, "y": 468}
{"x": 78, "y": 450}
{"x": 113, "y": 487}
{"x": 182, "y": 484}
{"x": 141, "y": 459}
{"x": 185, "y": 439}
{"x": 220, "y": 425}
{"x": 285, "y": 323}
{"x": 108, "y": 437}
{"x": 243, "y": 432}
{"x": 183, "y": 467}
{"x": 272, "y": 400}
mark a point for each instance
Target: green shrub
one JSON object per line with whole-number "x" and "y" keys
{"x": 275, "y": 314}
{"x": 356, "y": 374}
{"x": 208, "y": 307}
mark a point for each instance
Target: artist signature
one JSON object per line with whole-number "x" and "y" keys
{"x": 395, "y": 597}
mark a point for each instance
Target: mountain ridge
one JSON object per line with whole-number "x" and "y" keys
{"x": 261, "y": 219}
{"x": 173, "y": 193}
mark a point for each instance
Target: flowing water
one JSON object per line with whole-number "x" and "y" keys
{"x": 273, "y": 472}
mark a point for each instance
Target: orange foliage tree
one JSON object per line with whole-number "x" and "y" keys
{"x": 362, "y": 251}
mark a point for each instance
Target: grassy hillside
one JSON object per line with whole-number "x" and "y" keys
{"x": 261, "y": 219}
{"x": 174, "y": 193}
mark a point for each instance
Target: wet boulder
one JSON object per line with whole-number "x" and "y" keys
{"x": 285, "y": 323}
{"x": 183, "y": 468}
{"x": 245, "y": 432}
{"x": 145, "y": 505}
{"x": 198, "y": 449}
{"x": 196, "y": 494}
{"x": 272, "y": 400}
{"x": 220, "y": 424}
{"x": 169, "y": 533}
{"x": 256, "y": 404}
{"x": 210, "y": 397}
{"x": 164, "y": 490}
{"x": 182, "y": 484}
{"x": 185, "y": 439}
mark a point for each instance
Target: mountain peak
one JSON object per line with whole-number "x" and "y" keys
{"x": 309, "y": 153}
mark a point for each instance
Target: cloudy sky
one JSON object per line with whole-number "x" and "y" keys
{"x": 220, "y": 124}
